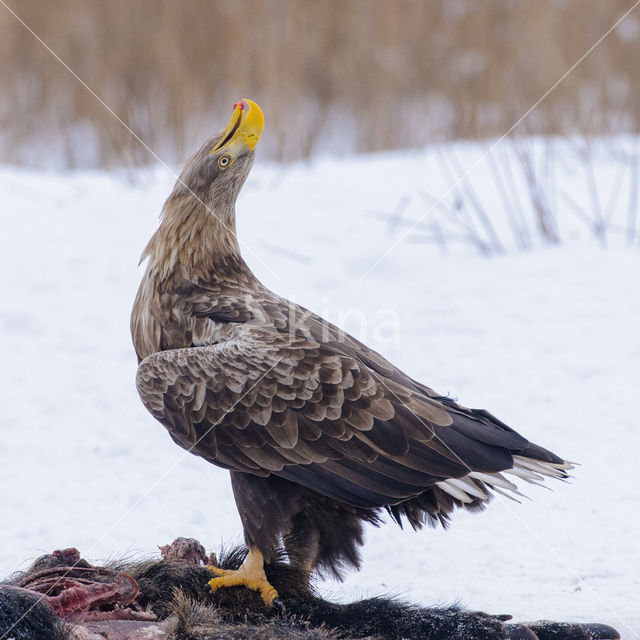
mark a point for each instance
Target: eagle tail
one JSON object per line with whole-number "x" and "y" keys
{"x": 533, "y": 470}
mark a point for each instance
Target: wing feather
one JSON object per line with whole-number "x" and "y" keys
{"x": 286, "y": 433}
{"x": 330, "y": 414}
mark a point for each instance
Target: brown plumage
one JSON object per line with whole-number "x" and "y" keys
{"x": 319, "y": 431}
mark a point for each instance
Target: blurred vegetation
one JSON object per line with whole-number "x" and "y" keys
{"x": 331, "y": 75}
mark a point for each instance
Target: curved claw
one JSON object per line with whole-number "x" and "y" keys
{"x": 278, "y": 605}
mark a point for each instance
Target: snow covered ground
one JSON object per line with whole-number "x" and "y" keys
{"x": 548, "y": 340}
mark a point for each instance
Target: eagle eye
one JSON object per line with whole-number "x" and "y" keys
{"x": 224, "y": 161}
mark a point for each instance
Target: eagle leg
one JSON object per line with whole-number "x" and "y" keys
{"x": 302, "y": 547}
{"x": 250, "y": 574}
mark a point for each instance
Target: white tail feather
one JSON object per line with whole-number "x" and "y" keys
{"x": 526, "y": 475}
{"x": 452, "y": 490}
{"x": 494, "y": 480}
{"x": 473, "y": 485}
{"x": 469, "y": 486}
{"x": 508, "y": 495}
{"x": 548, "y": 469}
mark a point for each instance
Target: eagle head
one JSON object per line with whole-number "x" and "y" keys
{"x": 198, "y": 226}
{"x": 216, "y": 172}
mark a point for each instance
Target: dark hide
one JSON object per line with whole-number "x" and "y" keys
{"x": 177, "y": 593}
{"x": 374, "y": 619}
{"x": 24, "y": 617}
{"x": 173, "y": 589}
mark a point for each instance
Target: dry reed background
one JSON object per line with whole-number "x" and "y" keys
{"x": 332, "y": 75}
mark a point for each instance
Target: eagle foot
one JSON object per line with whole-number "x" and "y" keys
{"x": 250, "y": 575}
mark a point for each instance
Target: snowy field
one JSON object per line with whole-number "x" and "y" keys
{"x": 548, "y": 340}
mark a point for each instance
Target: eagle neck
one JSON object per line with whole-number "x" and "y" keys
{"x": 195, "y": 243}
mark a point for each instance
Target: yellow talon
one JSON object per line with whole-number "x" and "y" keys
{"x": 250, "y": 574}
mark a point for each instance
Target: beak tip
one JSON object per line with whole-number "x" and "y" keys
{"x": 247, "y": 122}
{"x": 253, "y": 122}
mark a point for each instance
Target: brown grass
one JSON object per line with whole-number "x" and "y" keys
{"x": 338, "y": 75}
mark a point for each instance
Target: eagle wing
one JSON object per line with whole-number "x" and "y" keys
{"x": 320, "y": 415}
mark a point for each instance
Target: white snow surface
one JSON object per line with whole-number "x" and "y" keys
{"x": 548, "y": 340}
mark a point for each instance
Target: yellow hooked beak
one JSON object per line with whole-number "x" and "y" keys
{"x": 246, "y": 125}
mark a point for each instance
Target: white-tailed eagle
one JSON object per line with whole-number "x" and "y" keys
{"x": 320, "y": 433}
